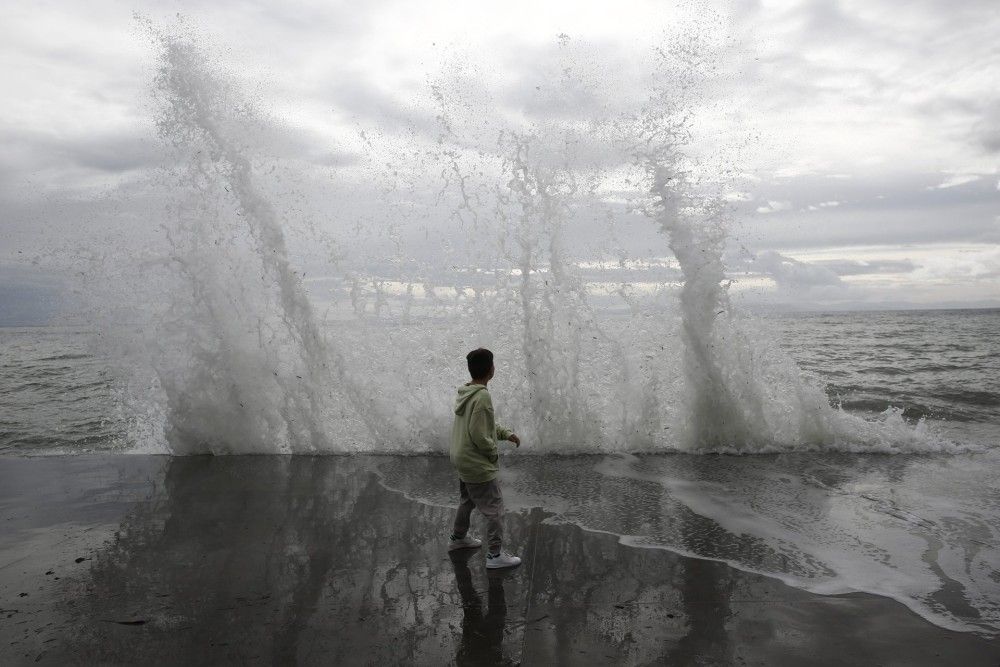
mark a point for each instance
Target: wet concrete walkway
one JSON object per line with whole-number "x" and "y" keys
{"x": 300, "y": 560}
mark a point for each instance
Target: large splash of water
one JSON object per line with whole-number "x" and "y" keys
{"x": 233, "y": 354}
{"x": 225, "y": 350}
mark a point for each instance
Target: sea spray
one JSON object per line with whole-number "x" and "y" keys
{"x": 229, "y": 355}
{"x": 554, "y": 314}
{"x": 740, "y": 393}
{"x": 252, "y": 372}
{"x": 718, "y": 414}
{"x": 538, "y": 198}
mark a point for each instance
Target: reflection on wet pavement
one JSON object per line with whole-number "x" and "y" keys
{"x": 482, "y": 633}
{"x": 317, "y": 561}
{"x": 922, "y": 530}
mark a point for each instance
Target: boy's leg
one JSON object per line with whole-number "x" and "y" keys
{"x": 464, "y": 510}
{"x": 489, "y": 501}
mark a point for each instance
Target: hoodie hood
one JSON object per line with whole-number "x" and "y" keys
{"x": 465, "y": 394}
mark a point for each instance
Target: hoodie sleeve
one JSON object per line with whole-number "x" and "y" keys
{"x": 482, "y": 430}
{"x": 503, "y": 433}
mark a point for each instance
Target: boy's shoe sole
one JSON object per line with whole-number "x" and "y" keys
{"x": 504, "y": 564}
{"x": 455, "y": 545}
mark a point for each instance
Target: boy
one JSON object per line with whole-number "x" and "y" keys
{"x": 474, "y": 455}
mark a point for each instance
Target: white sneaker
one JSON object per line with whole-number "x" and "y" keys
{"x": 467, "y": 542}
{"x": 503, "y": 559}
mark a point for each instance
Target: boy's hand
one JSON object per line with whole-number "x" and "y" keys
{"x": 516, "y": 440}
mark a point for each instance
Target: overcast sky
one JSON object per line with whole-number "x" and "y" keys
{"x": 867, "y": 132}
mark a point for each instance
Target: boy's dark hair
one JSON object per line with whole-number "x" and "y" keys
{"x": 480, "y": 362}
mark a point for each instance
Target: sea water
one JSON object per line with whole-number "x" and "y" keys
{"x": 938, "y": 367}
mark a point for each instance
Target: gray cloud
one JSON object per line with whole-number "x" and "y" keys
{"x": 360, "y": 100}
{"x": 899, "y": 101}
{"x": 843, "y": 267}
{"x": 883, "y": 208}
{"x": 986, "y": 130}
{"x": 570, "y": 79}
{"x": 111, "y": 153}
{"x": 791, "y": 273}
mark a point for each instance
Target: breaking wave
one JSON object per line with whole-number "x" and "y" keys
{"x": 472, "y": 238}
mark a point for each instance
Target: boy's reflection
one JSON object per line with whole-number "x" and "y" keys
{"x": 482, "y": 635}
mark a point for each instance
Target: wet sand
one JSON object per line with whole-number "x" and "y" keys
{"x": 282, "y": 560}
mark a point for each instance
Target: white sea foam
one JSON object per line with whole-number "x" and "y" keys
{"x": 921, "y": 530}
{"x": 917, "y": 532}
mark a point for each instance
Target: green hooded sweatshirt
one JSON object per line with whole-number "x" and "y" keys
{"x": 474, "y": 435}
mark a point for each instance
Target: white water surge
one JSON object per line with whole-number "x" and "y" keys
{"x": 222, "y": 348}
{"x": 921, "y": 530}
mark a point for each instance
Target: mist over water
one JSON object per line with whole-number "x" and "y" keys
{"x": 224, "y": 347}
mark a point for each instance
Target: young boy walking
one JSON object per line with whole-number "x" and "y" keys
{"x": 474, "y": 439}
